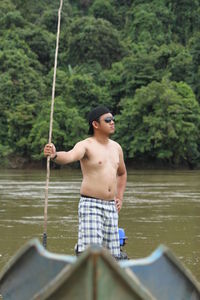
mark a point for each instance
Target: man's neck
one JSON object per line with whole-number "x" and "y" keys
{"x": 101, "y": 138}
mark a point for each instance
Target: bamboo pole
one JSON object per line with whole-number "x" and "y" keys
{"x": 51, "y": 127}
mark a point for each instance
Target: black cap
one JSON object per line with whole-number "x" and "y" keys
{"x": 95, "y": 114}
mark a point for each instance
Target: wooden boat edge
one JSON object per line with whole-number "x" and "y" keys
{"x": 34, "y": 243}
{"x": 132, "y": 281}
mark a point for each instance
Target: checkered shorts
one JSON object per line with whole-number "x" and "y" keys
{"x": 98, "y": 224}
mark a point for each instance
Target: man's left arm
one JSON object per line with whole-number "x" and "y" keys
{"x": 121, "y": 180}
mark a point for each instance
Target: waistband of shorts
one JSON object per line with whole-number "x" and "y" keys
{"x": 88, "y": 198}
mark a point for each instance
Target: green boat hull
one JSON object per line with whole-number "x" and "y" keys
{"x": 36, "y": 274}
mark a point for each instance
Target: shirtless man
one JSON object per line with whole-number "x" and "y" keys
{"x": 103, "y": 184}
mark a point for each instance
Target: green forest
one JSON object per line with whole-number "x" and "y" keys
{"x": 140, "y": 58}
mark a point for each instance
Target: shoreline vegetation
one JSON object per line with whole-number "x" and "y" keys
{"x": 139, "y": 58}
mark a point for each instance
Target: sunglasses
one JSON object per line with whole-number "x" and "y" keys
{"x": 109, "y": 119}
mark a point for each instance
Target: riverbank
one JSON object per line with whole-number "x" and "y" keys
{"x": 17, "y": 162}
{"x": 21, "y": 163}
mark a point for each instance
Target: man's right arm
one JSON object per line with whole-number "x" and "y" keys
{"x": 66, "y": 157}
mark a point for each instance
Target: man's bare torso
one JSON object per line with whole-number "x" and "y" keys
{"x": 99, "y": 167}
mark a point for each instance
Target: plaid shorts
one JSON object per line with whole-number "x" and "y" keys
{"x": 98, "y": 224}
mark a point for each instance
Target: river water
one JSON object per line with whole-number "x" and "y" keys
{"x": 160, "y": 207}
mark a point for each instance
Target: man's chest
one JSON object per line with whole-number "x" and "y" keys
{"x": 103, "y": 157}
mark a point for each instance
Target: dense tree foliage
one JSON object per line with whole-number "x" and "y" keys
{"x": 162, "y": 120}
{"x": 139, "y": 58}
{"x": 86, "y": 37}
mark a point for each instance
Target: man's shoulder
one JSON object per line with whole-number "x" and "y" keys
{"x": 86, "y": 142}
{"x": 115, "y": 144}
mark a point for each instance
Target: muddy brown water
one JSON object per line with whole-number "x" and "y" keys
{"x": 160, "y": 207}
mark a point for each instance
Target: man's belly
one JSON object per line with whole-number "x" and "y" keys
{"x": 104, "y": 188}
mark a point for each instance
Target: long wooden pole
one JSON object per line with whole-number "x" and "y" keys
{"x": 51, "y": 126}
